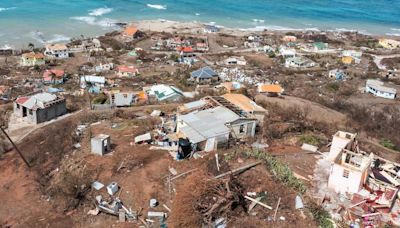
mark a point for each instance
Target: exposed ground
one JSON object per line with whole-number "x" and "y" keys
{"x": 62, "y": 197}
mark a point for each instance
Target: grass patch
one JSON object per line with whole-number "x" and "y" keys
{"x": 321, "y": 216}
{"x": 310, "y": 139}
{"x": 334, "y": 87}
{"x": 281, "y": 171}
{"x": 388, "y": 144}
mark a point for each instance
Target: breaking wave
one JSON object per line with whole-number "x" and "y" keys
{"x": 106, "y": 22}
{"x": 6, "y": 9}
{"x": 392, "y": 34}
{"x": 277, "y": 28}
{"x": 160, "y": 7}
{"x": 58, "y": 38}
{"x": 100, "y": 11}
{"x": 258, "y": 20}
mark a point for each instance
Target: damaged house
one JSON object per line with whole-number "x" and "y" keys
{"x": 365, "y": 186}
{"x": 215, "y": 126}
{"x": 349, "y": 168}
{"x": 39, "y": 107}
{"x": 122, "y": 99}
{"x": 212, "y": 121}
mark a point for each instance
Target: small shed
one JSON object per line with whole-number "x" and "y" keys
{"x": 101, "y": 144}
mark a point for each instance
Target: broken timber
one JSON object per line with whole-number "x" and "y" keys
{"x": 182, "y": 174}
{"x": 277, "y": 207}
{"x": 238, "y": 170}
{"x": 262, "y": 204}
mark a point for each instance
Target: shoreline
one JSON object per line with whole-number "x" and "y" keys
{"x": 171, "y": 26}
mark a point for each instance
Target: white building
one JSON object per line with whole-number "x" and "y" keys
{"x": 349, "y": 168}
{"x": 356, "y": 55}
{"x": 299, "y": 62}
{"x": 233, "y": 60}
{"x": 378, "y": 89}
{"x": 58, "y": 51}
{"x": 349, "y": 172}
{"x": 340, "y": 140}
{"x": 286, "y": 52}
{"x": 212, "y": 127}
{"x": 164, "y": 92}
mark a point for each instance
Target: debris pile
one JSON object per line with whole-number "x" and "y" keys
{"x": 220, "y": 199}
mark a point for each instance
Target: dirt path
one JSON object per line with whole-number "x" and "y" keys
{"x": 378, "y": 59}
{"x": 316, "y": 111}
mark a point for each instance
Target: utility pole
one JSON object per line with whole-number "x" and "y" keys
{"x": 15, "y": 147}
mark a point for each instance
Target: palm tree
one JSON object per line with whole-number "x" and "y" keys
{"x": 53, "y": 77}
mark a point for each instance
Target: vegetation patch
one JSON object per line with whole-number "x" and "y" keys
{"x": 310, "y": 139}
{"x": 388, "y": 144}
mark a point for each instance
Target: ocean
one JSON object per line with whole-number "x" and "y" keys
{"x": 41, "y": 21}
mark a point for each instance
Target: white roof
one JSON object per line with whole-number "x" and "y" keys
{"x": 142, "y": 138}
{"x": 378, "y": 85}
{"x": 207, "y": 124}
{"x": 163, "y": 92}
{"x": 93, "y": 79}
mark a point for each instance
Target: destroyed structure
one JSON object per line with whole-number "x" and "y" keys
{"x": 212, "y": 121}
{"x": 101, "y": 144}
{"x": 39, "y": 107}
{"x": 365, "y": 187}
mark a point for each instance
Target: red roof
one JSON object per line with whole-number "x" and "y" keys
{"x": 58, "y": 74}
{"x": 130, "y": 69}
{"x": 185, "y": 49}
{"x": 21, "y": 100}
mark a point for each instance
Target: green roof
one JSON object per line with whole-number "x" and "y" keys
{"x": 320, "y": 45}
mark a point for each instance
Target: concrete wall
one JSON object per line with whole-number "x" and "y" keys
{"x": 123, "y": 99}
{"x": 341, "y": 184}
{"x": 338, "y": 144}
{"x": 100, "y": 146}
{"x": 54, "y": 111}
{"x": 249, "y": 129}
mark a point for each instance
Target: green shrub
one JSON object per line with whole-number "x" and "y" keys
{"x": 388, "y": 144}
{"x": 281, "y": 171}
{"x": 333, "y": 86}
{"x": 310, "y": 139}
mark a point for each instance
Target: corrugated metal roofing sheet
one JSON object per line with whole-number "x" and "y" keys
{"x": 207, "y": 123}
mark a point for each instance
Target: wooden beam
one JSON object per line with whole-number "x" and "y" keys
{"x": 276, "y": 209}
{"x": 253, "y": 200}
{"x": 238, "y": 170}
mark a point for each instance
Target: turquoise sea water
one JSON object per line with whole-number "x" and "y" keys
{"x": 39, "y": 21}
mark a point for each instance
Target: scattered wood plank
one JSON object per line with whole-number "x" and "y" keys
{"x": 371, "y": 214}
{"x": 298, "y": 176}
{"x": 262, "y": 204}
{"x": 355, "y": 205}
{"x": 167, "y": 208}
{"x": 173, "y": 171}
{"x": 121, "y": 165}
{"x": 182, "y": 174}
{"x": 253, "y": 204}
{"x": 277, "y": 207}
{"x": 144, "y": 222}
{"x": 216, "y": 160}
{"x": 238, "y": 170}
